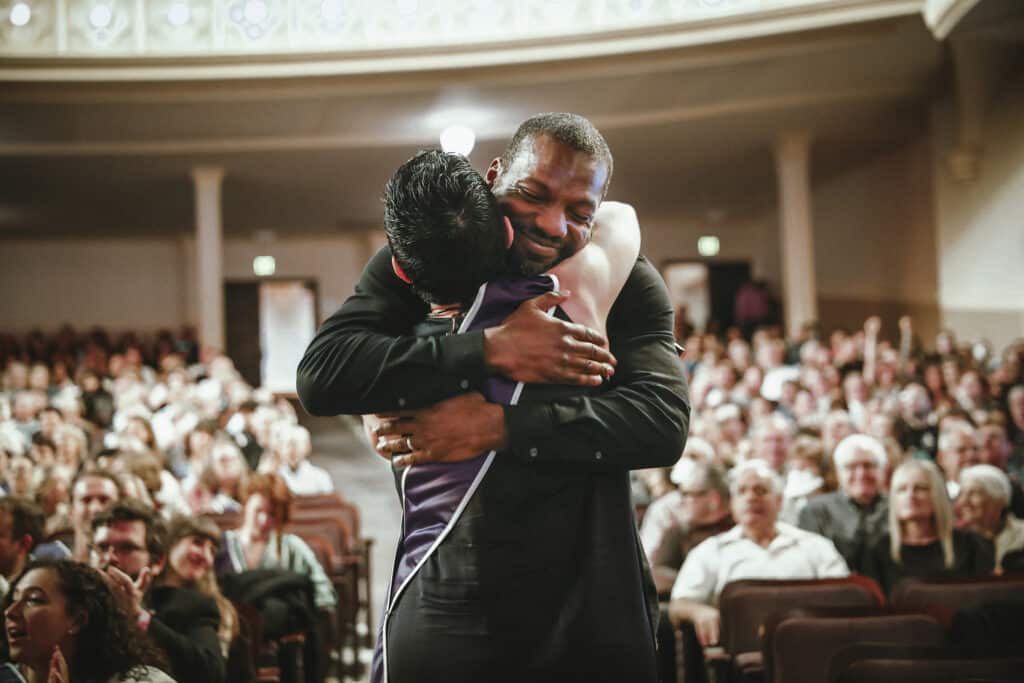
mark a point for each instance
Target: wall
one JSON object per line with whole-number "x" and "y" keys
{"x": 980, "y": 223}
{"x": 148, "y": 284}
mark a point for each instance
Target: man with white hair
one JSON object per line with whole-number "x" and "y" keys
{"x": 302, "y": 477}
{"x": 771, "y": 441}
{"x": 983, "y": 507}
{"x": 857, "y": 513}
{"x": 683, "y": 518}
{"x": 758, "y": 547}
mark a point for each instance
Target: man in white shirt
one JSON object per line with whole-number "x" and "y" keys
{"x": 303, "y": 477}
{"x": 758, "y": 547}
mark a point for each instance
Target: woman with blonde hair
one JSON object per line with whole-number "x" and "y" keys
{"x": 921, "y": 541}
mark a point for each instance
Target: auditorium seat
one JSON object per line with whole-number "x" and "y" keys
{"x": 886, "y": 663}
{"x": 954, "y": 594}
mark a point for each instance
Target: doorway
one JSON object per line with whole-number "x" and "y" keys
{"x": 268, "y": 325}
{"x": 705, "y": 292}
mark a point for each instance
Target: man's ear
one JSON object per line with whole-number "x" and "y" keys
{"x": 157, "y": 567}
{"x": 25, "y": 543}
{"x": 510, "y": 233}
{"x": 399, "y": 272}
{"x": 493, "y": 171}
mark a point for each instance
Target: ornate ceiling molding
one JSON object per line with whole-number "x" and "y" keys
{"x": 134, "y": 40}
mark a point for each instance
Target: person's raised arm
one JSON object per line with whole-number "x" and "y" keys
{"x": 595, "y": 275}
{"x": 366, "y": 359}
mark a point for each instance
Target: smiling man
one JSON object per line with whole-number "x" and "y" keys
{"x": 544, "y": 579}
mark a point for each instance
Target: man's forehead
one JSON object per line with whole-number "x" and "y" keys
{"x": 122, "y": 528}
{"x": 543, "y": 159}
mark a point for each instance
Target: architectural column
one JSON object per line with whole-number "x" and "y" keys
{"x": 796, "y": 230}
{"x": 206, "y": 181}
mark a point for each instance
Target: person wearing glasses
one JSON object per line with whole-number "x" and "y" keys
{"x": 958, "y": 449}
{"x": 129, "y": 545}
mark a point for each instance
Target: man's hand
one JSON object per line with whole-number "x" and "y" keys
{"x": 130, "y": 592}
{"x": 872, "y": 325}
{"x": 706, "y": 620}
{"x": 536, "y": 348}
{"x": 456, "y": 429}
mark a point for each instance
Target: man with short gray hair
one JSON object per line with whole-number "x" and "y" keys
{"x": 758, "y": 547}
{"x": 857, "y": 513}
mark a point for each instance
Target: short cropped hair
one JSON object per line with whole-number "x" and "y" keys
{"x": 991, "y": 479}
{"x": 571, "y": 130}
{"x": 131, "y": 510}
{"x": 763, "y": 471}
{"x": 855, "y": 443}
{"x": 444, "y": 227}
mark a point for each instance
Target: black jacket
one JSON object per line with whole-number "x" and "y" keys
{"x": 556, "y": 542}
{"x": 184, "y": 626}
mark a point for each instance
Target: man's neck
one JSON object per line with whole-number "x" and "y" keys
{"x": 761, "y": 535}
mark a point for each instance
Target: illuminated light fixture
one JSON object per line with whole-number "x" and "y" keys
{"x": 255, "y": 11}
{"x": 708, "y": 245}
{"x": 21, "y": 13}
{"x": 458, "y": 139}
{"x": 332, "y": 11}
{"x": 179, "y": 14}
{"x": 264, "y": 266}
{"x": 100, "y": 16}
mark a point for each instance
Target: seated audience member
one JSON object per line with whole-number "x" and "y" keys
{"x": 1015, "y": 430}
{"x": 192, "y": 546}
{"x": 858, "y": 512}
{"x": 921, "y": 541}
{"x": 836, "y": 427}
{"x": 129, "y": 545}
{"x": 63, "y": 624}
{"x": 92, "y": 492}
{"x": 20, "y": 478}
{"x": 805, "y": 477}
{"x": 678, "y": 521}
{"x": 261, "y": 542}
{"x": 958, "y": 448}
{"x": 758, "y": 547}
{"x": 771, "y": 441}
{"x": 983, "y": 507}
{"x": 230, "y": 469}
{"x": 302, "y": 477}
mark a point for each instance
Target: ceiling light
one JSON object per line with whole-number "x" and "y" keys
{"x": 179, "y": 13}
{"x": 708, "y": 245}
{"x": 20, "y": 14}
{"x": 458, "y": 139}
{"x": 264, "y": 266}
{"x": 100, "y": 16}
{"x": 256, "y": 11}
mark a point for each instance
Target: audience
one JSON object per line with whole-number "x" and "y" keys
{"x": 758, "y": 547}
{"x": 984, "y": 508}
{"x": 921, "y": 541}
{"x": 63, "y": 623}
{"x": 129, "y": 545}
{"x": 857, "y": 513}
{"x": 262, "y": 543}
{"x": 677, "y": 522}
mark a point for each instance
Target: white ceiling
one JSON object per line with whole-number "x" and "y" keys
{"x": 688, "y": 127}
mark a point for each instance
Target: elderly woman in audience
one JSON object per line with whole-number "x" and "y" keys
{"x": 921, "y": 541}
{"x": 758, "y": 547}
{"x": 262, "y": 543}
{"x": 62, "y": 623}
{"x": 983, "y": 507}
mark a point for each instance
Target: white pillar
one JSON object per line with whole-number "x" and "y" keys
{"x": 206, "y": 181}
{"x": 799, "y": 288}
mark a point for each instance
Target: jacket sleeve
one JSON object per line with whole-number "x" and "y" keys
{"x": 194, "y": 652}
{"x": 366, "y": 359}
{"x": 642, "y": 419}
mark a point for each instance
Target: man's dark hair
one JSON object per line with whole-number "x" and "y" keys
{"x": 571, "y": 130}
{"x": 131, "y": 510}
{"x": 444, "y": 227}
{"x": 27, "y": 518}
